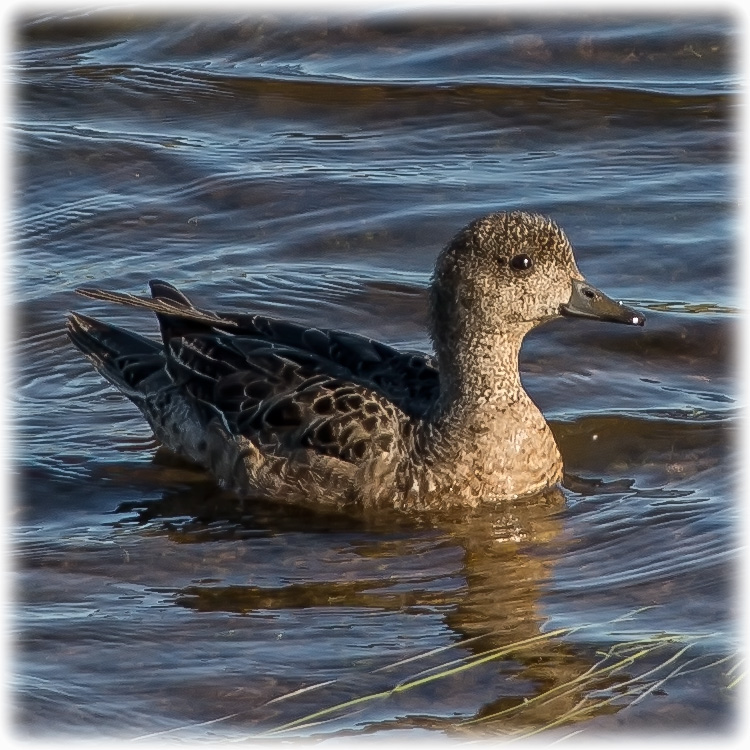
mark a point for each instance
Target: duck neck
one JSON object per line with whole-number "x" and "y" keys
{"x": 479, "y": 379}
{"x": 485, "y": 437}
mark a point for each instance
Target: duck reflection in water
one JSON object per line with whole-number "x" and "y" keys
{"x": 485, "y": 573}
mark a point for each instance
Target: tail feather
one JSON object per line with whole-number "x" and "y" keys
{"x": 124, "y": 358}
{"x": 166, "y": 291}
{"x": 175, "y": 325}
{"x": 166, "y": 301}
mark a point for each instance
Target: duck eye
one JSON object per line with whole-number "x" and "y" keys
{"x": 521, "y": 262}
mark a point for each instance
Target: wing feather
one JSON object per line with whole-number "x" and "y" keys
{"x": 203, "y": 345}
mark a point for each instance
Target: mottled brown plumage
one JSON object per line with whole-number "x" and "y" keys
{"x": 322, "y": 417}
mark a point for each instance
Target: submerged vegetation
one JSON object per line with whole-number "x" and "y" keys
{"x": 621, "y": 677}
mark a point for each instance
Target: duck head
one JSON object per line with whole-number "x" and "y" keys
{"x": 511, "y": 272}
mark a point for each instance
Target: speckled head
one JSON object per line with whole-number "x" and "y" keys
{"x": 512, "y": 271}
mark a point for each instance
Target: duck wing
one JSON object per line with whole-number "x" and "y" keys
{"x": 409, "y": 380}
{"x": 283, "y": 399}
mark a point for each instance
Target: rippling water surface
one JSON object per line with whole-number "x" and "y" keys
{"x": 312, "y": 167}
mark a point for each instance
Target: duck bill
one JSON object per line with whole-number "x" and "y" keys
{"x": 587, "y": 301}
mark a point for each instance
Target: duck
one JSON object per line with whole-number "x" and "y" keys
{"x": 281, "y": 411}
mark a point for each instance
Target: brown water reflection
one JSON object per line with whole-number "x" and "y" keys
{"x": 503, "y": 572}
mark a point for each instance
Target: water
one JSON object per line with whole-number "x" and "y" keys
{"x": 311, "y": 167}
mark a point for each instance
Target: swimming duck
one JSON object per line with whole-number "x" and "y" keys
{"x": 326, "y": 418}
